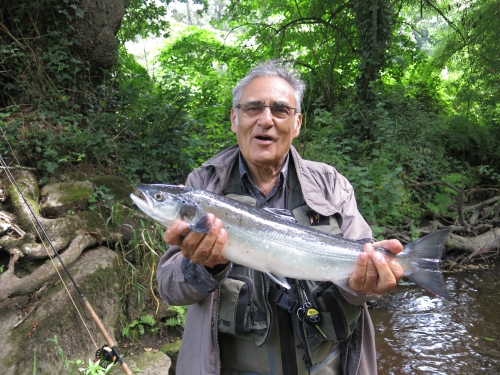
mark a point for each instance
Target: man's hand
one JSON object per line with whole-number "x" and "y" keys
{"x": 201, "y": 248}
{"x": 374, "y": 273}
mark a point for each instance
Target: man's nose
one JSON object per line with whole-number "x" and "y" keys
{"x": 266, "y": 117}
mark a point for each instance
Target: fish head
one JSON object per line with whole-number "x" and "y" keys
{"x": 168, "y": 204}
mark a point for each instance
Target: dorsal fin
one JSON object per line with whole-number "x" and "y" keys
{"x": 281, "y": 213}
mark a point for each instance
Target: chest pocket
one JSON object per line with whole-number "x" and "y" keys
{"x": 308, "y": 217}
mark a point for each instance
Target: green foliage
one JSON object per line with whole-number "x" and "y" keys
{"x": 143, "y": 18}
{"x": 199, "y": 69}
{"x": 405, "y": 149}
{"x": 394, "y": 98}
{"x": 490, "y": 173}
{"x": 180, "y": 316}
{"x": 44, "y": 88}
{"x": 65, "y": 362}
{"x": 101, "y": 194}
{"x": 149, "y": 125}
{"x": 93, "y": 368}
{"x": 139, "y": 326}
{"x": 71, "y": 366}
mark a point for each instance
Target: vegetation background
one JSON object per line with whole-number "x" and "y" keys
{"x": 403, "y": 100}
{"x": 403, "y": 96}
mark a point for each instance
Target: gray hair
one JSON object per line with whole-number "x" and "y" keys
{"x": 272, "y": 68}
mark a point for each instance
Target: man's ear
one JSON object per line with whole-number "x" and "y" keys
{"x": 234, "y": 120}
{"x": 298, "y": 125}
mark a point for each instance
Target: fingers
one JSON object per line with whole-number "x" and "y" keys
{"x": 386, "y": 279}
{"x": 357, "y": 279}
{"x": 371, "y": 277}
{"x": 374, "y": 272}
{"x": 201, "y": 248}
{"x": 394, "y": 246}
{"x": 174, "y": 234}
{"x": 215, "y": 256}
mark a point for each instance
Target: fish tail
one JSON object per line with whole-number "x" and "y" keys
{"x": 425, "y": 254}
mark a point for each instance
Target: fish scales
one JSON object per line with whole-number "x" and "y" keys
{"x": 268, "y": 242}
{"x": 281, "y": 241}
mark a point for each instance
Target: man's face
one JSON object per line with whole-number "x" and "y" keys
{"x": 265, "y": 139}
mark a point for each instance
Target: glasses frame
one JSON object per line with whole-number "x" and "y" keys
{"x": 270, "y": 106}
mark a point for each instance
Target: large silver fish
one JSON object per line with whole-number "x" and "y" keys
{"x": 267, "y": 242}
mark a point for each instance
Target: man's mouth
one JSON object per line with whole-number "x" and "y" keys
{"x": 263, "y": 138}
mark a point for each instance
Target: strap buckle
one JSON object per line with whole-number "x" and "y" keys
{"x": 283, "y": 300}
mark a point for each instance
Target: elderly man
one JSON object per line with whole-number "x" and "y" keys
{"x": 239, "y": 321}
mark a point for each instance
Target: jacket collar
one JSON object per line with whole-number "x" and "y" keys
{"x": 312, "y": 192}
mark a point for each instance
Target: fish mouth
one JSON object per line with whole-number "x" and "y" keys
{"x": 142, "y": 200}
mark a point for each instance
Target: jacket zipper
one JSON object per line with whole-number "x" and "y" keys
{"x": 269, "y": 309}
{"x": 215, "y": 333}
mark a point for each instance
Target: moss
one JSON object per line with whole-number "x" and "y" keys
{"x": 172, "y": 349}
{"x": 74, "y": 192}
{"x": 18, "y": 202}
{"x": 94, "y": 222}
{"x": 119, "y": 187}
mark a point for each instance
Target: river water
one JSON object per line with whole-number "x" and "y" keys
{"x": 418, "y": 334}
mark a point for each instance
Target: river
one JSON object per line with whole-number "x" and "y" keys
{"x": 418, "y": 334}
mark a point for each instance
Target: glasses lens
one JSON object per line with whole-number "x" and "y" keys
{"x": 281, "y": 111}
{"x": 278, "y": 110}
{"x": 252, "y": 109}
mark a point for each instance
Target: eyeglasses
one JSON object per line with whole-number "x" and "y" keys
{"x": 280, "y": 111}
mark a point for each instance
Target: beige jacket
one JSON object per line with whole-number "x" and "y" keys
{"x": 182, "y": 283}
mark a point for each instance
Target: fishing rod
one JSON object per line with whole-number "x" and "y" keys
{"x": 107, "y": 354}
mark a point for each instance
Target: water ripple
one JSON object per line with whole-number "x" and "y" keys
{"x": 419, "y": 334}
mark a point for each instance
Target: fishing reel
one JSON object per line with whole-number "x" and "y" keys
{"x": 105, "y": 356}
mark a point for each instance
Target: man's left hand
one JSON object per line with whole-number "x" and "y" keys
{"x": 375, "y": 273}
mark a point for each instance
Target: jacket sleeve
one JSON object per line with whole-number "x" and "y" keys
{"x": 180, "y": 281}
{"x": 354, "y": 226}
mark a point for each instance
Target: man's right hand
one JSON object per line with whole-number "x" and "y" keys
{"x": 201, "y": 248}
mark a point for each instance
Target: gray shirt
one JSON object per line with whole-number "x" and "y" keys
{"x": 276, "y": 197}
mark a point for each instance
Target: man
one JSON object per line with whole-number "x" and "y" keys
{"x": 238, "y": 320}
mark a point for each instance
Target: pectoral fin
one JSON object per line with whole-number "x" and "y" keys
{"x": 279, "y": 280}
{"x": 201, "y": 226}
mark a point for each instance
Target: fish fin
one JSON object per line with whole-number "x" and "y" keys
{"x": 281, "y": 213}
{"x": 278, "y": 280}
{"x": 427, "y": 252}
{"x": 201, "y": 226}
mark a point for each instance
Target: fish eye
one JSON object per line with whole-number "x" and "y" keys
{"x": 158, "y": 196}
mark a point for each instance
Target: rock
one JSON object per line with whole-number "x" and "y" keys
{"x": 172, "y": 350}
{"x": 117, "y": 186}
{"x": 53, "y": 314}
{"x": 60, "y": 198}
{"x": 149, "y": 363}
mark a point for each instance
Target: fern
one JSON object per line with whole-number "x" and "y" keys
{"x": 179, "y": 319}
{"x": 138, "y": 327}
